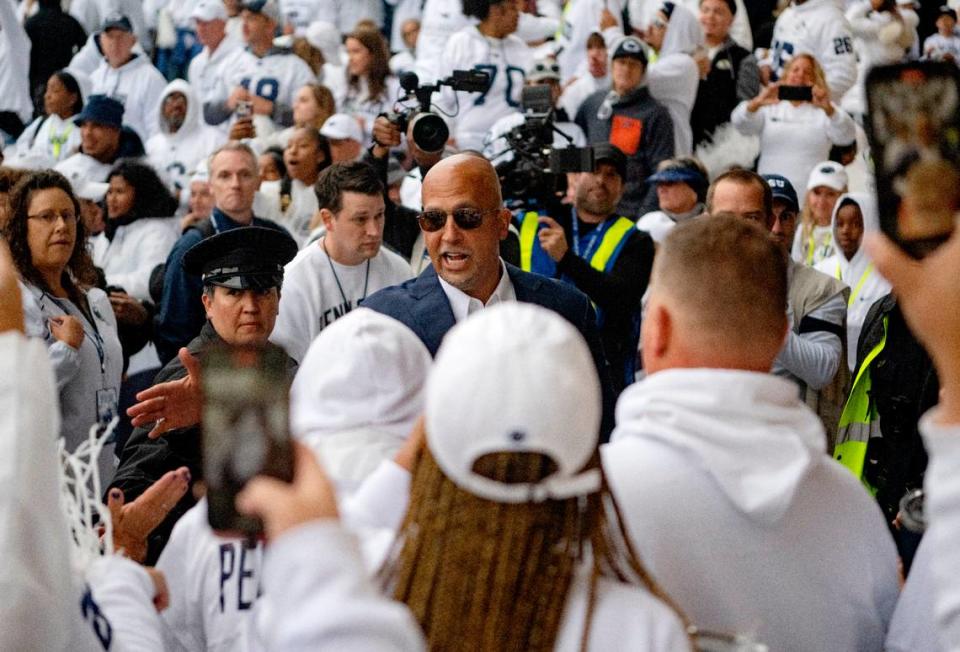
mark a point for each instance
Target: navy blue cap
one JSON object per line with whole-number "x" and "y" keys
{"x": 116, "y": 20}
{"x": 249, "y": 257}
{"x": 101, "y": 110}
{"x": 681, "y": 170}
{"x": 631, "y": 47}
{"x": 782, "y": 189}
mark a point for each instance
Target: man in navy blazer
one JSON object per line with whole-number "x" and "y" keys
{"x": 463, "y": 222}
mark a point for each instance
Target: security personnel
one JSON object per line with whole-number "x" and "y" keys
{"x": 599, "y": 252}
{"x": 242, "y": 271}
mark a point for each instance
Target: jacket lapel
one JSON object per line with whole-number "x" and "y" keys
{"x": 433, "y": 313}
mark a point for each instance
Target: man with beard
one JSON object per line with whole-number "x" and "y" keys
{"x": 599, "y": 252}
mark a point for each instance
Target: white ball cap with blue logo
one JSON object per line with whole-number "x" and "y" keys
{"x": 515, "y": 377}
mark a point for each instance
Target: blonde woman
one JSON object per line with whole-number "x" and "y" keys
{"x": 795, "y": 134}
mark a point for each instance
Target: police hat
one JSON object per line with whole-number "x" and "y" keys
{"x": 250, "y": 257}
{"x": 607, "y": 153}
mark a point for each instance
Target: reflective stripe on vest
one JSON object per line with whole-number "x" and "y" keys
{"x": 601, "y": 260}
{"x": 528, "y": 233}
{"x": 859, "y": 421}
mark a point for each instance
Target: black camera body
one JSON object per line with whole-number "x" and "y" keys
{"x": 535, "y": 176}
{"x": 429, "y": 131}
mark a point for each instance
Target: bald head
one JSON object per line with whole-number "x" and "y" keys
{"x": 466, "y": 258}
{"x": 718, "y": 297}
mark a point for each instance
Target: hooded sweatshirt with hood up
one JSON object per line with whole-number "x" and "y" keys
{"x": 175, "y": 155}
{"x": 730, "y": 500}
{"x": 865, "y": 283}
{"x": 674, "y": 77}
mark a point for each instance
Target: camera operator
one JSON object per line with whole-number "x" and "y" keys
{"x": 401, "y": 231}
{"x": 600, "y": 253}
{"x": 543, "y": 72}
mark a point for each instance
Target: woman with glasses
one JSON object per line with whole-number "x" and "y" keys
{"x": 48, "y": 243}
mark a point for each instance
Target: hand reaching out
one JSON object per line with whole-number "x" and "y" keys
{"x": 133, "y": 522}
{"x": 173, "y": 404}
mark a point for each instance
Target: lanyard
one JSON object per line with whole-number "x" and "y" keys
{"x": 94, "y": 337}
{"x": 59, "y": 140}
{"x": 811, "y": 243}
{"x": 594, "y": 239}
{"x": 366, "y": 278}
{"x": 856, "y": 290}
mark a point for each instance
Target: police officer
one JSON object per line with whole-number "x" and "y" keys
{"x": 601, "y": 253}
{"x": 241, "y": 271}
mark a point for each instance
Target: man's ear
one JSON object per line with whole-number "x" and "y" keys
{"x": 656, "y": 336}
{"x": 326, "y": 215}
{"x": 504, "y": 227}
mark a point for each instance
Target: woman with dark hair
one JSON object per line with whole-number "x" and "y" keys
{"x": 53, "y": 136}
{"x": 371, "y": 89}
{"x": 138, "y": 235}
{"x": 48, "y": 244}
{"x": 291, "y": 200}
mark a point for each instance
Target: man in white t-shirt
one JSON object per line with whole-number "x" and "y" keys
{"x": 329, "y": 278}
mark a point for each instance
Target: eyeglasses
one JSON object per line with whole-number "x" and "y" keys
{"x": 466, "y": 218}
{"x": 51, "y": 217}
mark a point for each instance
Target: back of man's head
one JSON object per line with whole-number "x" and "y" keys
{"x": 718, "y": 297}
{"x": 354, "y": 176}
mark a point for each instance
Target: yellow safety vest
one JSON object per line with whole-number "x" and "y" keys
{"x": 601, "y": 258}
{"x": 859, "y": 421}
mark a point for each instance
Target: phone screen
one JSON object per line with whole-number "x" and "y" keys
{"x": 795, "y": 93}
{"x": 245, "y": 428}
{"x": 914, "y": 134}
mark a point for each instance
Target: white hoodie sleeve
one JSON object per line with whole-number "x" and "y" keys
{"x": 325, "y": 602}
{"x": 942, "y": 504}
{"x": 841, "y": 129}
{"x": 748, "y": 124}
{"x": 124, "y": 592}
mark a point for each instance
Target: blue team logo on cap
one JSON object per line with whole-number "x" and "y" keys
{"x": 631, "y": 45}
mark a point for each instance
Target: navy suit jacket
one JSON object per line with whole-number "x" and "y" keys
{"x": 422, "y": 305}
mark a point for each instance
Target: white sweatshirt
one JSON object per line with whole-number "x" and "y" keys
{"x": 793, "y": 139}
{"x": 46, "y": 606}
{"x": 505, "y": 60}
{"x": 14, "y": 64}
{"x": 820, "y": 28}
{"x": 723, "y": 481}
{"x": 865, "y": 283}
{"x": 176, "y": 155}
{"x": 135, "y": 250}
{"x": 317, "y": 291}
{"x": 138, "y": 85}
{"x": 50, "y": 137}
{"x": 580, "y": 19}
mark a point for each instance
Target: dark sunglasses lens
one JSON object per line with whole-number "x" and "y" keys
{"x": 468, "y": 218}
{"x": 432, "y": 220}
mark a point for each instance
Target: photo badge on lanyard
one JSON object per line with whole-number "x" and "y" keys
{"x": 106, "y": 405}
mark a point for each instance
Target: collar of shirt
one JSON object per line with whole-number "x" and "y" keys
{"x": 463, "y": 305}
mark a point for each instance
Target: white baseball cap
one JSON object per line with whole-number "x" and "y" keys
{"x": 830, "y": 174}
{"x": 342, "y": 126}
{"x": 207, "y": 10}
{"x": 515, "y": 377}
{"x": 91, "y": 190}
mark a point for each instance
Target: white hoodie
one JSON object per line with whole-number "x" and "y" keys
{"x": 176, "y": 155}
{"x": 138, "y": 85}
{"x": 865, "y": 283}
{"x": 674, "y": 77}
{"x": 723, "y": 481}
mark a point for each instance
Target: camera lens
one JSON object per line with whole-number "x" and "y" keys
{"x": 430, "y": 132}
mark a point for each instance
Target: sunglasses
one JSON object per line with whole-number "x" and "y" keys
{"x": 466, "y": 218}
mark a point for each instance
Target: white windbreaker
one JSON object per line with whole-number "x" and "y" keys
{"x": 46, "y": 606}
{"x": 674, "y": 77}
{"x": 820, "y": 28}
{"x": 138, "y": 85}
{"x": 731, "y": 501}
{"x": 865, "y": 283}
{"x": 176, "y": 155}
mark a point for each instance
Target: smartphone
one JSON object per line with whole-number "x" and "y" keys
{"x": 795, "y": 93}
{"x": 245, "y": 428}
{"x": 244, "y": 109}
{"x": 913, "y": 128}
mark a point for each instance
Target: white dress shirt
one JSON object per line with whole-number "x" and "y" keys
{"x": 463, "y": 305}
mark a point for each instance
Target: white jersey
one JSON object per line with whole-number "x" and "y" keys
{"x": 49, "y": 137}
{"x": 135, "y": 250}
{"x": 14, "y": 64}
{"x": 939, "y": 47}
{"x": 204, "y": 72}
{"x": 317, "y": 291}
{"x": 506, "y": 61}
{"x": 214, "y": 587}
{"x": 820, "y": 28}
{"x": 176, "y": 155}
{"x": 138, "y": 85}
{"x": 580, "y": 19}
{"x": 275, "y": 77}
